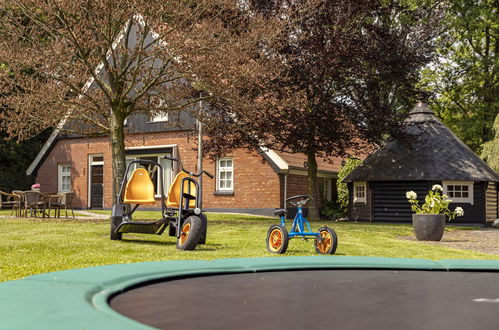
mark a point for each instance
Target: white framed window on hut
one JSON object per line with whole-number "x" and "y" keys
{"x": 459, "y": 191}
{"x": 359, "y": 192}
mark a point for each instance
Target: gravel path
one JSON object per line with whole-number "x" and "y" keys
{"x": 484, "y": 240}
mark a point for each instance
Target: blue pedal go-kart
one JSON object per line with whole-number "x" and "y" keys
{"x": 325, "y": 239}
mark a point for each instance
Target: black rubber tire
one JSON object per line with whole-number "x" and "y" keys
{"x": 330, "y": 246}
{"x": 204, "y": 228}
{"x": 190, "y": 233}
{"x": 277, "y": 239}
{"x": 115, "y": 222}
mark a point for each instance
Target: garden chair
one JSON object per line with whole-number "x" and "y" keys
{"x": 11, "y": 201}
{"x": 34, "y": 203}
{"x": 62, "y": 201}
{"x": 20, "y": 195}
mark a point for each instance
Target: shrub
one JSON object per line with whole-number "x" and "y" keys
{"x": 342, "y": 188}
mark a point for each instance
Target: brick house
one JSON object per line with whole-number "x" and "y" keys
{"x": 251, "y": 182}
{"x": 245, "y": 182}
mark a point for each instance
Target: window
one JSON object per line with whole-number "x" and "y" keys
{"x": 225, "y": 174}
{"x": 64, "y": 178}
{"x": 359, "y": 192}
{"x": 159, "y": 115}
{"x": 459, "y": 191}
{"x": 166, "y": 164}
{"x": 328, "y": 183}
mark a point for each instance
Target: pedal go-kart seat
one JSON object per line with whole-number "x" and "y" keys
{"x": 280, "y": 212}
{"x": 139, "y": 189}
{"x": 173, "y": 199}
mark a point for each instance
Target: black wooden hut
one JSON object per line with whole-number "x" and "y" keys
{"x": 433, "y": 155}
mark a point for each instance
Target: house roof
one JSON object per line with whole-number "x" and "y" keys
{"x": 297, "y": 160}
{"x": 433, "y": 153}
{"x": 282, "y": 162}
{"x": 136, "y": 20}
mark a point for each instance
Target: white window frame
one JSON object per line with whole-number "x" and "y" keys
{"x": 469, "y": 184}
{"x": 166, "y": 184}
{"x": 226, "y": 169}
{"x": 61, "y": 175}
{"x": 158, "y": 116}
{"x": 356, "y": 197}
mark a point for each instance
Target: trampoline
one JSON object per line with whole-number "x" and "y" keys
{"x": 331, "y": 292}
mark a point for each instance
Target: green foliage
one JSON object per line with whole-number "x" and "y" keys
{"x": 331, "y": 211}
{"x": 342, "y": 188}
{"x": 465, "y": 79}
{"x": 435, "y": 203}
{"x": 490, "y": 150}
{"x": 15, "y": 159}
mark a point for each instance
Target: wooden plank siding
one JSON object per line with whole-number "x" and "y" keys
{"x": 390, "y": 202}
{"x": 473, "y": 213}
{"x": 491, "y": 203}
{"x": 141, "y": 123}
{"x": 360, "y": 211}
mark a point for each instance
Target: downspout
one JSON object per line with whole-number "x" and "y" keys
{"x": 200, "y": 153}
{"x": 285, "y": 190}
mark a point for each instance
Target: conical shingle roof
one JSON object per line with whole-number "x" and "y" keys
{"x": 434, "y": 153}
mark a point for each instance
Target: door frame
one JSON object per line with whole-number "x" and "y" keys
{"x": 92, "y": 162}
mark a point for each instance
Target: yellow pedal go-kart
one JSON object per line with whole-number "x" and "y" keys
{"x": 180, "y": 209}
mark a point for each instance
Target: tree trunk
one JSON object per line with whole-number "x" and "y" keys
{"x": 313, "y": 209}
{"x": 117, "y": 141}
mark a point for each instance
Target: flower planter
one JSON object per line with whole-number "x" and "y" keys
{"x": 428, "y": 227}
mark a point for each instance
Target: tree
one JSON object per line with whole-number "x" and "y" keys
{"x": 85, "y": 67}
{"x": 466, "y": 77}
{"x": 346, "y": 72}
{"x": 15, "y": 158}
{"x": 490, "y": 150}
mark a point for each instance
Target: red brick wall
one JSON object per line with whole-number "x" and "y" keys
{"x": 256, "y": 185}
{"x": 297, "y": 185}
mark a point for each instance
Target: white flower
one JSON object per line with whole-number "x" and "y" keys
{"x": 459, "y": 211}
{"x": 411, "y": 195}
{"x": 437, "y": 187}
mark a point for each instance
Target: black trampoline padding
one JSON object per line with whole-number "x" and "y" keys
{"x": 319, "y": 299}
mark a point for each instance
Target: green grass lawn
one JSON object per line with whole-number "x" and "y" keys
{"x": 31, "y": 246}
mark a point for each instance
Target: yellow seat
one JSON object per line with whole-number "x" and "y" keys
{"x": 139, "y": 189}
{"x": 173, "y": 199}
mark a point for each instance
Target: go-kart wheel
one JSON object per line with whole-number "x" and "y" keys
{"x": 327, "y": 243}
{"x": 277, "y": 239}
{"x": 190, "y": 233}
{"x": 204, "y": 228}
{"x": 115, "y": 222}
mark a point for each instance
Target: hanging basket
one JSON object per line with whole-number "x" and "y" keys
{"x": 428, "y": 227}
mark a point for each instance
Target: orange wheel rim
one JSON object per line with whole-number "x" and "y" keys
{"x": 275, "y": 240}
{"x": 325, "y": 242}
{"x": 184, "y": 233}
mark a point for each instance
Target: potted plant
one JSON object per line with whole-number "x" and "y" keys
{"x": 428, "y": 222}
